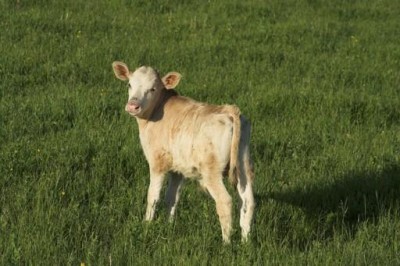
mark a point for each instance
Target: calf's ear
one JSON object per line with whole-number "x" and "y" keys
{"x": 171, "y": 80}
{"x": 121, "y": 70}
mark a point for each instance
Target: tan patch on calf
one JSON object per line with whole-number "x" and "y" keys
{"x": 222, "y": 122}
{"x": 162, "y": 162}
{"x": 249, "y": 168}
{"x": 213, "y": 109}
{"x": 210, "y": 164}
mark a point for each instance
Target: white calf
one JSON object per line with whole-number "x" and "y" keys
{"x": 190, "y": 139}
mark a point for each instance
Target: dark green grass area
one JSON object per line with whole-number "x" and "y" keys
{"x": 319, "y": 80}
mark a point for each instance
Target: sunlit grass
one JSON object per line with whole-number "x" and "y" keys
{"x": 318, "y": 79}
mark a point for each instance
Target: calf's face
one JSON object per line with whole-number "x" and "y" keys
{"x": 145, "y": 87}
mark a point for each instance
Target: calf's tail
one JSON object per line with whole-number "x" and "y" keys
{"x": 234, "y": 156}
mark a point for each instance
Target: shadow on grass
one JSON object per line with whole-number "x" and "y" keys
{"x": 352, "y": 199}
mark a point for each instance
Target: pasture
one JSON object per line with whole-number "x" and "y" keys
{"x": 319, "y": 80}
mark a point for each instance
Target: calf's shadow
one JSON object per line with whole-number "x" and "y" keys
{"x": 354, "y": 197}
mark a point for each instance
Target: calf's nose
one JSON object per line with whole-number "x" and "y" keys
{"x": 132, "y": 106}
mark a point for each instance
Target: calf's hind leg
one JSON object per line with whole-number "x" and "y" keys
{"x": 245, "y": 190}
{"x": 245, "y": 182}
{"x": 223, "y": 203}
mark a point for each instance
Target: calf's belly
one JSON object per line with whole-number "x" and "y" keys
{"x": 208, "y": 151}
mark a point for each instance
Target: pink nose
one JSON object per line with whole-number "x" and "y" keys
{"x": 132, "y": 107}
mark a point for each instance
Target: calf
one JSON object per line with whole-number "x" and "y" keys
{"x": 190, "y": 139}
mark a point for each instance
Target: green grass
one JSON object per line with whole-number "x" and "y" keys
{"x": 318, "y": 79}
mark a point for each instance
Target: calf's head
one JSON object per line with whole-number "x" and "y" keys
{"x": 145, "y": 87}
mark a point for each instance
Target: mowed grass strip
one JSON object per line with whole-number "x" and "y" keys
{"x": 318, "y": 79}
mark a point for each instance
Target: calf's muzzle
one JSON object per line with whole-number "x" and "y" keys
{"x": 133, "y": 107}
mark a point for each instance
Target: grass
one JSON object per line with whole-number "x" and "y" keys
{"x": 318, "y": 79}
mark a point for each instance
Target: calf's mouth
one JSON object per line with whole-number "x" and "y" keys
{"x": 133, "y": 108}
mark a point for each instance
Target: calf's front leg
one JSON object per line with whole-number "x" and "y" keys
{"x": 153, "y": 193}
{"x": 173, "y": 192}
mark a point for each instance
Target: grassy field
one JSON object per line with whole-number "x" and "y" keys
{"x": 320, "y": 81}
